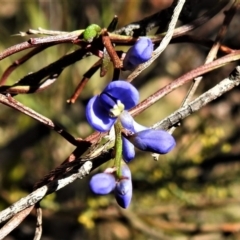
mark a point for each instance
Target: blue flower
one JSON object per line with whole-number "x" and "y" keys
{"x": 103, "y": 110}
{"x": 139, "y": 53}
{"x": 145, "y": 139}
{"x": 102, "y": 183}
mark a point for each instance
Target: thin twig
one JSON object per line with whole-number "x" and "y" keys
{"x": 213, "y": 52}
{"x": 84, "y": 81}
{"x": 159, "y": 19}
{"x": 211, "y": 55}
{"x": 40, "y": 31}
{"x": 203, "y": 42}
{"x": 14, "y": 222}
{"x": 180, "y": 31}
{"x": 18, "y": 88}
{"x": 13, "y": 103}
{"x": 20, "y": 61}
{"x": 38, "y": 194}
{"x": 34, "y": 42}
{"x": 224, "y": 86}
{"x": 110, "y": 49}
{"x": 33, "y": 79}
{"x": 183, "y": 80}
{"x": 38, "y": 230}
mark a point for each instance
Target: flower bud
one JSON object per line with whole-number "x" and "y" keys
{"x": 128, "y": 151}
{"x": 157, "y": 141}
{"x": 123, "y": 192}
{"x": 139, "y": 53}
{"x": 102, "y": 183}
{"x": 126, "y": 172}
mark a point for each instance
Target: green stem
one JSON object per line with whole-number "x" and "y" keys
{"x": 118, "y": 147}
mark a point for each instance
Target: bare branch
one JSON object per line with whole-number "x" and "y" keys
{"x": 13, "y": 103}
{"x": 184, "y": 79}
{"x": 224, "y": 86}
{"x": 38, "y": 194}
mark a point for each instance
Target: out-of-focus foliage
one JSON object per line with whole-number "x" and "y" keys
{"x": 191, "y": 193}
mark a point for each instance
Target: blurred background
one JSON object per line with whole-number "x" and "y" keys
{"x": 191, "y": 193}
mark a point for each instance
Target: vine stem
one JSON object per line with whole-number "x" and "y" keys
{"x": 118, "y": 147}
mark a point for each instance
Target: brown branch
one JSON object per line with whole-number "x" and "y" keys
{"x": 13, "y": 103}
{"x": 111, "y": 51}
{"x": 34, "y": 42}
{"x": 21, "y": 89}
{"x": 183, "y": 80}
{"x": 20, "y": 61}
{"x": 35, "y": 78}
{"x": 214, "y": 49}
{"x": 84, "y": 81}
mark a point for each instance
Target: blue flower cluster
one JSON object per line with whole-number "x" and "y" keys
{"x": 106, "y": 182}
{"x": 102, "y": 112}
{"x": 110, "y": 107}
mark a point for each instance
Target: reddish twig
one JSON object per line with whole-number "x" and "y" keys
{"x": 110, "y": 49}
{"x": 84, "y": 81}
{"x": 20, "y": 61}
{"x": 183, "y": 80}
{"x": 20, "y": 89}
{"x": 13, "y": 103}
{"x": 213, "y": 51}
{"x": 34, "y": 42}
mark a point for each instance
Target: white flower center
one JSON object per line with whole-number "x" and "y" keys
{"x": 117, "y": 109}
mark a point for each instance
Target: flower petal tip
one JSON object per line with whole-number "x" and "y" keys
{"x": 123, "y": 192}
{"x": 102, "y": 183}
{"x": 139, "y": 53}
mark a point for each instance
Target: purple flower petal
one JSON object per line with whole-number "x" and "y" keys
{"x": 123, "y": 192}
{"x": 102, "y": 183}
{"x": 157, "y": 141}
{"x": 123, "y": 91}
{"x": 138, "y": 127}
{"x": 128, "y": 148}
{"x": 97, "y": 116}
{"x": 106, "y": 101}
{"x": 126, "y": 172}
{"x": 127, "y": 121}
{"x": 139, "y": 53}
{"x": 128, "y": 151}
